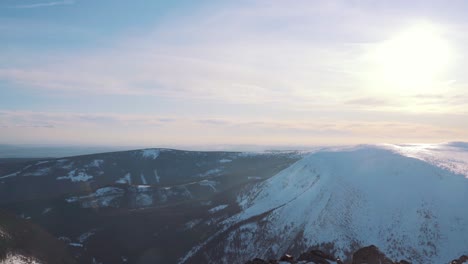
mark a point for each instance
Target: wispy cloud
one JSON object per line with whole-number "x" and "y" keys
{"x": 146, "y": 129}
{"x": 233, "y": 57}
{"x": 45, "y": 4}
{"x": 269, "y": 71}
{"x": 367, "y": 101}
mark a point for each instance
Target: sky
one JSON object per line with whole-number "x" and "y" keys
{"x": 187, "y": 73}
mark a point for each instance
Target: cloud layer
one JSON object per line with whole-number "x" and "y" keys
{"x": 45, "y": 4}
{"x": 285, "y": 72}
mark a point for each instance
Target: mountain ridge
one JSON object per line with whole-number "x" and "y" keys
{"x": 324, "y": 205}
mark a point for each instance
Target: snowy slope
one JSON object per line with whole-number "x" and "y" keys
{"x": 409, "y": 208}
{"x": 452, "y": 156}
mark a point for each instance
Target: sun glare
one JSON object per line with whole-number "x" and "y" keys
{"x": 414, "y": 60}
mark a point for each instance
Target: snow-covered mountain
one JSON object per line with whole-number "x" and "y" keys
{"x": 410, "y": 201}
{"x": 169, "y": 206}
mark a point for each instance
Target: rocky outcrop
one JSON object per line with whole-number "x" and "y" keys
{"x": 462, "y": 260}
{"x": 313, "y": 256}
{"x": 365, "y": 255}
{"x": 370, "y": 255}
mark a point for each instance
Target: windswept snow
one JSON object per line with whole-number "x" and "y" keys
{"x": 107, "y": 191}
{"x": 75, "y": 244}
{"x": 46, "y": 210}
{"x": 191, "y": 224}
{"x": 3, "y": 234}
{"x": 150, "y": 153}
{"x": 65, "y": 164}
{"x": 38, "y": 172}
{"x": 156, "y": 176}
{"x": 366, "y": 195}
{"x": 16, "y": 173}
{"x": 143, "y": 188}
{"x": 211, "y": 184}
{"x": 76, "y": 176}
{"x": 19, "y": 259}
{"x": 143, "y": 179}
{"x": 144, "y": 199}
{"x": 102, "y": 197}
{"x": 217, "y": 208}
{"x": 9, "y": 175}
{"x": 96, "y": 163}
{"x": 450, "y": 156}
{"x": 210, "y": 172}
{"x": 249, "y": 154}
{"x": 125, "y": 179}
{"x": 83, "y": 237}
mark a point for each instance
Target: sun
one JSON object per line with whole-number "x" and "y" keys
{"x": 413, "y": 60}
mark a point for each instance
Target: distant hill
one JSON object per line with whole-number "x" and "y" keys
{"x": 35, "y": 151}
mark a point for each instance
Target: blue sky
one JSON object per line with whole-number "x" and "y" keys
{"x": 162, "y": 73}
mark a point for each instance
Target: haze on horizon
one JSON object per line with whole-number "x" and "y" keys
{"x": 243, "y": 72}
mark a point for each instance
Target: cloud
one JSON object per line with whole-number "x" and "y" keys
{"x": 230, "y": 56}
{"x": 28, "y": 126}
{"x": 64, "y": 119}
{"x": 233, "y": 56}
{"x": 278, "y": 71}
{"x": 214, "y": 122}
{"x": 45, "y": 4}
{"x": 369, "y": 102}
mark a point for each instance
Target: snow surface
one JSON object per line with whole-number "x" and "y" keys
{"x": 38, "y": 172}
{"x": 143, "y": 179}
{"x": 96, "y": 163}
{"x": 191, "y": 224}
{"x": 83, "y": 237}
{"x": 62, "y": 163}
{"x": 15, "y": 173}
{"x": 75, "y": 244}
{"x": 225, "y": 160}
{"x": 364, "y": 195}
{"x": 125, "y": 179}
{"x": 211, "y": 184}
{"x": 144, "y": 199}
{"x": 210, "y": 172}
{"x": 102, "y": 197}
{"x": 156, "y": 176}
{"x": 64, "y": 239}
{"x": 9, "y": 175}
{"x": 3, "y": 234}
{"x": 150, "y": 153}
{"x": 450, "y": 156}
{"x": 75, "y": 176}
{"x": 18, "y": 259}
{"x": 46, "y": 210}
{"x": 217, "y": 208}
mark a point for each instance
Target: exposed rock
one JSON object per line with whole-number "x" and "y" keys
{"x": 316, "y": 256}
{"x": 257, "y": 261}
{"x": 403, "y": 262}
{"x": 287, "y": 257}
{"x": 366, "y": 255}
{"x": 370, "y": 255}
{"x": 462, "y": 260}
